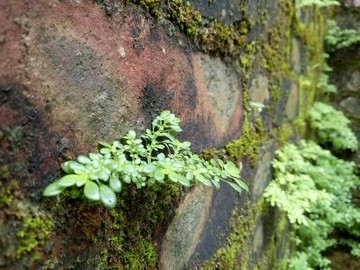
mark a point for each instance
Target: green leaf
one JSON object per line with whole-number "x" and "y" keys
{"x": 66, "y": 166}
{"x": 216, "y": 183}
{"x": 91, "y": 191}
{"x": 129, "y": 168}
{"x": 164, "y": 114}
{"x": 202, "y": 179}
{"x": 179, "y": 178}
{"x": 190, "y": 175}
{"x": 236, "y": 187}
{"x": 81, "y": 180}
{"x": 105, "y": 150}
{"x": 83, "y": 159}
{"x": 53, "y": 189}
{"x": 103, "y": 174}
{"x": 115, "y": 184}
{"x": 159, "y": 175}
{"x": 241, "y": 184}
{"x": 231, "y": 168}
{"x": 148, "y": 168}
{"x": 132, "y": 134}
{"x": 107, "y": 196}
{"x": 77, "y": 167}
{"x": 68, "y": 180}
{"x": 105, "y": 144}
{"x": 127, "y": 179}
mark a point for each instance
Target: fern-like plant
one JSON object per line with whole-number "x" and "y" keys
{"x": 152, "y": 158}
{"x": 313, "y": 188}
{"x": 332, "y": 127}
{"x": 337, "y": 38}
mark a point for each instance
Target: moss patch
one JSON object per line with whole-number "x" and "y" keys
{"x": 248, "y": 144}
{"x": 119, "y": 238}
{"x": 24, "y": 229}
{"x": 237, "y": 252}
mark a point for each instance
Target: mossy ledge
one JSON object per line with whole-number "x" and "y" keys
{"x": 208, "y": 34}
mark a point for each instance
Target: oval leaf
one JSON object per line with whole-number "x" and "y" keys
{"x": 216, "y": 183}
{"x": 115, "y": 184}
{"x": 66, "y": 166}
{"x": 83, "y": 159}
{"x": 231, "y": 168}
{"x": 148, "y": 168}
{"x": 241, "y": 184}
{"x": 203, "y": 180}
{"x": 53, "y": 189}
{"x": 81, "y": 180}
{"x": 236, "y": 187}
{"x": 159, "y": 176}
{"x": 183, "y": 180}
{"x": 179, "y": 178}
{"x": 68, "y": 180}
{"x": 105, "y": 144}
{"x": 108, "y": 196}
{"x": 91, "y": 191}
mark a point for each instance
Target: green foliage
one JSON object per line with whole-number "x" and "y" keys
{"x": 332, "y": 127}
{"x": 155, "y": 157}
{"x": 324, "y": 84}
{"x": 320, "y": 3}
{"x": 34, "y": 233}
{"x": 337, "y": 38}
{"x": 313, "y": 188}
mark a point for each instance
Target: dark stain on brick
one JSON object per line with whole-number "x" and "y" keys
{"x": 191, "y": 93}
{"x": 153, "y": 102}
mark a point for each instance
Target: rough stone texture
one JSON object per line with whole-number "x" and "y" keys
{"x": 259, "y": 93}
{"x": 263, "y": 172}
{"x": 293, "y": 102}
{"x": 76, "y": 72}
{"x": 351, "y": 105}
{"x": 185, "y": 230}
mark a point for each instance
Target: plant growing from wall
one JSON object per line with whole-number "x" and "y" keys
{"x": 153, "y": 158}
{"x": 332, "y": 127}
{"x": 314, "y": 188}
{"x": 337, "y": 38}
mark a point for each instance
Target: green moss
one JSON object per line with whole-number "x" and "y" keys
{"x": 35, "y": 232}
{"x": 7, "y": 190}
{"x": 236, "y": 251}
{"x": 283, "y": 133}
{"x": 248, "y": 144}
{"x": 25, "y": 228}
{"x": 311, "y": 36}
{"x": 130, "y": 229}
{"x": 210, "y": 35}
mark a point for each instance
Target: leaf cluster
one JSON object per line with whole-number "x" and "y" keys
{"x": 313, "y": 188}
{"x": 332, "y": 127}
{"x": 152, "y": 158}
{"x": 337, "y": 38}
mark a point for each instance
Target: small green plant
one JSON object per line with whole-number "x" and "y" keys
{"x": 332, "y": 127}
{"x": 337, "y": 38}
{"x": 325, "y": 86}
{"x": 313, "y": 188}
{"x": 155, "y": 157}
